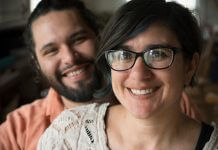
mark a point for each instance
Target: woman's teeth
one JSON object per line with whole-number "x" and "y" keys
{"x": 142, "y": 92}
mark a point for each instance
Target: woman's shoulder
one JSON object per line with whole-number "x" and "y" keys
{"x": 73, "y": 126}
{"x": 78, "y": 113}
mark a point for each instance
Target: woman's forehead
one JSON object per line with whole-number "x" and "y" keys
{"x": 155, "y": 34}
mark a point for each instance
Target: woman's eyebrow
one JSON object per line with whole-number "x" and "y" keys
{"x": 161, "y": 45}
{"x": 147, "y": 47}
{"x": 125, "y": 47}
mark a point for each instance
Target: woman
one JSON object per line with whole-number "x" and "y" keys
{"x": 149, "y": 52}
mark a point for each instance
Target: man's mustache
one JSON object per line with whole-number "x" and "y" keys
{"x": 68, "y": 66}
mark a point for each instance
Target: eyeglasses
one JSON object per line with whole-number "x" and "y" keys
{"x": 155, "y": 58}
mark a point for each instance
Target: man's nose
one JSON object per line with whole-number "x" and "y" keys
{"x": 68, "y": 55}
{"x": 140, "y": 71}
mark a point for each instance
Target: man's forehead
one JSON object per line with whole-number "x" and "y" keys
{"x": 60, "y": 16}
{"x": 69, "y": 18}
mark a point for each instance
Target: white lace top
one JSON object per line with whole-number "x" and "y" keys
{"x": 83, "y": 128}
{"x": 80, "y": 128}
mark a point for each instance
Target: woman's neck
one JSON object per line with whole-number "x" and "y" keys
{"x": 152, "y": 131}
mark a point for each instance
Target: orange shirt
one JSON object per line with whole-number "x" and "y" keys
{"x": 24, "y": 126}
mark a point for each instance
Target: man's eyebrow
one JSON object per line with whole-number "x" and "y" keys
{"x": 77, "y": 33}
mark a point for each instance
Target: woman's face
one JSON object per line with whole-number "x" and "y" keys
{"x": 145, "y": 92}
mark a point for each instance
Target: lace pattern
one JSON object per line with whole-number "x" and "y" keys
{"x": 76, "y": 129}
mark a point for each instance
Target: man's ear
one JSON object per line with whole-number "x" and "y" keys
{"x": 192, "y": 68}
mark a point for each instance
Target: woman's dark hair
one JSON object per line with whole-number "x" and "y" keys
{"x": 135, "y": 17}
{"x": 46, "y": 6}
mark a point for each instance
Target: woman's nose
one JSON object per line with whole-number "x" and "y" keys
{"x": 140, "y": 70}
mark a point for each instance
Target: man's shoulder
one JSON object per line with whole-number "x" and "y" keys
{"x": 37, "y": 107}
{"x": 23, "y": 125}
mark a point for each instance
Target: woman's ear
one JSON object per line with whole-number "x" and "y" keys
{"x": 192, "y": 68}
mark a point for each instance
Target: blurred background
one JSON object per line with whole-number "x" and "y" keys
{"x": 18, "y": 81}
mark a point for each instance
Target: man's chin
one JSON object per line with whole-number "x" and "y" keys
{"x": 80, "y": 93}
{"x": 76, "y": 87}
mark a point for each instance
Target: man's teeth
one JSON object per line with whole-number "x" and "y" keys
{"x": 75, "y": 73}
{"x": 141, "y": 92}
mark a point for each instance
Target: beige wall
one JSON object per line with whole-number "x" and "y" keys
{"x": 209, "y": 11}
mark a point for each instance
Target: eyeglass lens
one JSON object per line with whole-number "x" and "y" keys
{"x": 155, "y": 58}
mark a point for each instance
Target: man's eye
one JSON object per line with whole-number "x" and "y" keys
{"x": 50, "y": 51}
{"x": 78, "y": 40}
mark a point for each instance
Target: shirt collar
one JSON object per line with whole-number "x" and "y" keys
{"x": 54, "y": 104}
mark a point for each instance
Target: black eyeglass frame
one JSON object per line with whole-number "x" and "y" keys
{"x": 137, "y": 54}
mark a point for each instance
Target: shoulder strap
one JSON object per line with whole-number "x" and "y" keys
{"x": 206, "y": 131}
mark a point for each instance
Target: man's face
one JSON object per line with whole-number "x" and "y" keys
{"x": 65, "y": 50}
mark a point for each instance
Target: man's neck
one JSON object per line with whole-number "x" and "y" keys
{"x": 70, "y": 104}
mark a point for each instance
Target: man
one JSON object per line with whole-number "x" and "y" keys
{"x": 61, "y": 36}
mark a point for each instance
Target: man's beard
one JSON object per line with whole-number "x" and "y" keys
{"x": 84, "y": 91}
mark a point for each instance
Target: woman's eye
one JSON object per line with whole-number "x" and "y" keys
{"x": 125, "y": 56}
{"x": 159, "y": 54}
